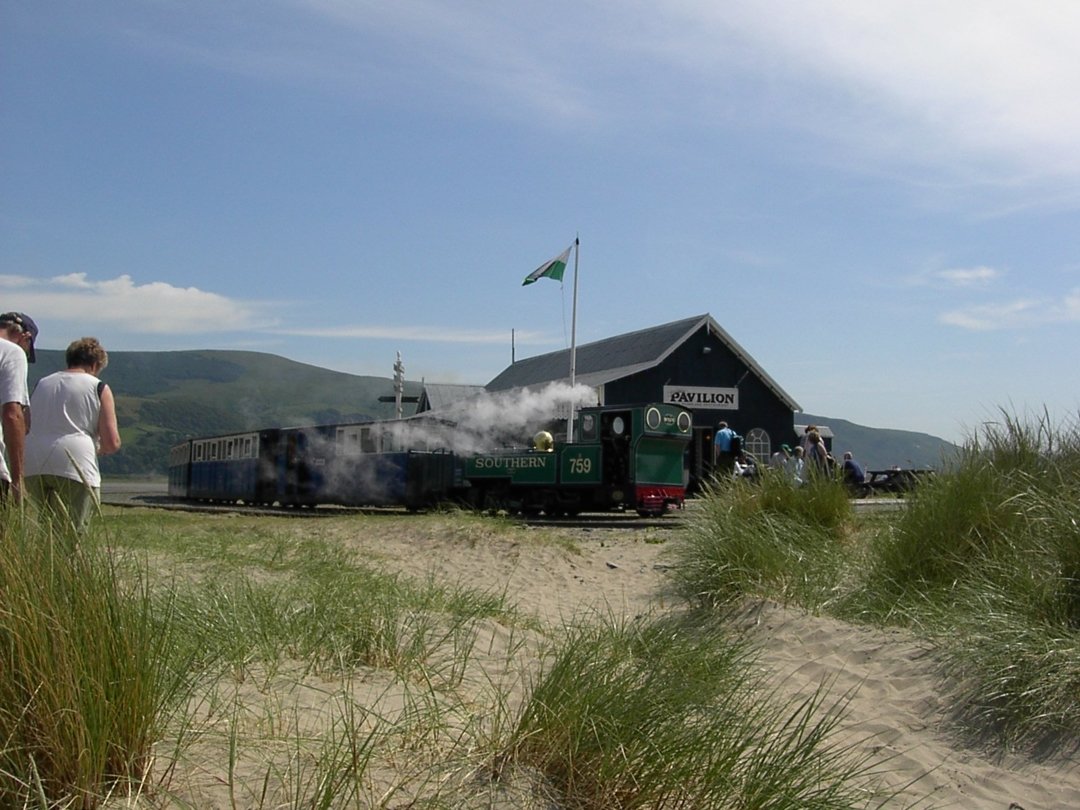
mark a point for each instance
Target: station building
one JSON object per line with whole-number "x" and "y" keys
{"x": 691, "y": 362}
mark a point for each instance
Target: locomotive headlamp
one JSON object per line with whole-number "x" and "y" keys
{"x": 652, "y": 418}
{"x": 543, "y": 442}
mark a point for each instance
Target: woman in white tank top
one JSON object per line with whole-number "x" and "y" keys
{"x": 74, "y": 421}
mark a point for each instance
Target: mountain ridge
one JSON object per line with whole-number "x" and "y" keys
{"x": 163, "y": 397}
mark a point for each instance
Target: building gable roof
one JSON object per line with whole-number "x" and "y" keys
{"x": 440, "y": 396}
{"x": 616, "y": 357}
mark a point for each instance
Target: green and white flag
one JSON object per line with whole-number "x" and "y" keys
{"x": 550, "y": 269}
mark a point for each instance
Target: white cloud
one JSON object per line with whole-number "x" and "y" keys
{"x": 986, "y": 317}
{"x": 158, "y": 308}
{"x": 121, "y": 304}
{"x": 981, "y": 90}
{"x": 430, "y": 334}
{"x": 1071, "y": 305}
{"x": 989, "y": 78}
{"x": 952, "y": 277}
{"x": 1018, "y": 314}
{"x": 968, "y": 277}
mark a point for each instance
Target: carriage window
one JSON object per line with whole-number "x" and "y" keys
{"x": 367, "y": 442}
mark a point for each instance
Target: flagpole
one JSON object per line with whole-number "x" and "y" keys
{"x": 573, "y": 345}
{"x": 573, "y": 316}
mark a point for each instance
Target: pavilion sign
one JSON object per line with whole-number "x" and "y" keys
{"x": 694, "y": 397}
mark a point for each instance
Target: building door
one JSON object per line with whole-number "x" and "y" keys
{"x": 701, "y": 458}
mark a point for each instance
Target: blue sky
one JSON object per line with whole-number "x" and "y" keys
{"x": 877, "y": 200}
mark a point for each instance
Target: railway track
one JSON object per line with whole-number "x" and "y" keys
{"x": 153, "y": 495}
{"x": 595, "y": 520}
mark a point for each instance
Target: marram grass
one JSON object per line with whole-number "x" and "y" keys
{"x": 668, "y": 714}
{"x": 645, "y": 714}
{"x": 983, "y": 559}
{"x": 89, "y": 670}
{"x": 767, "y": 537}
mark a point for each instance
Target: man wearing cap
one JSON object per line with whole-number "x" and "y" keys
{"x": 781, "y": 459}
{"x": 17, "y": 335}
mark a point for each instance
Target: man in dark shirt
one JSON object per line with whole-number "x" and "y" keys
{"x": 853, "y": 472}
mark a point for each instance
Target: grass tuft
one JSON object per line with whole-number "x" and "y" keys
{"x": 667, "y": 713}
{"x": 768, "y": 536}
{"x": 90, "y": 673}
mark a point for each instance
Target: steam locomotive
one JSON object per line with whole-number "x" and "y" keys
{"x": 626, "y": 458}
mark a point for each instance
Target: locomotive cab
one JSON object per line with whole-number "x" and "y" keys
{"x": 642, "y": 455}
{"x": 615, "y": 444}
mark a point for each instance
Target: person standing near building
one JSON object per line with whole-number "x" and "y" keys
{"x": 797, "y": 467}
{"x": 74, "y": 423}
{"x": 726, "y": 443}
{"x": 18, "y": 332}
{"x": 781, "y": 458}
{"x": 816, "y": 456}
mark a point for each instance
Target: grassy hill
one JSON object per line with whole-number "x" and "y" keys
{"x": 164, "y": 397}
{"x": 880, "y": 448}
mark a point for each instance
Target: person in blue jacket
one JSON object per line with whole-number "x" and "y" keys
{"x": 726, "y": 443}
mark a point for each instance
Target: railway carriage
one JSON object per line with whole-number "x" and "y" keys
{"x": 384, "y": 464}
{"x": 228, "y": 468}
{"x": 180, "y": 469}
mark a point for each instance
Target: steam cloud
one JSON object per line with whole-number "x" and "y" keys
{"x": 489, "y": 421}
{"x": 352, "y": 474}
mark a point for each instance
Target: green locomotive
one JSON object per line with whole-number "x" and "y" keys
{"x": 621, "y": 458}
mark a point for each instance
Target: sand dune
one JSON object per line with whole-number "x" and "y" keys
{"x": 897, "y": 706}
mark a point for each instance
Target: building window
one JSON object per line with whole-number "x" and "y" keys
{"x": 758, "y": 444}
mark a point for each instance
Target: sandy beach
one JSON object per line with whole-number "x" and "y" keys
{"x": 897, "y": 706}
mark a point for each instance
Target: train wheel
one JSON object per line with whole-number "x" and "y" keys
{"x": 647, "y": 513}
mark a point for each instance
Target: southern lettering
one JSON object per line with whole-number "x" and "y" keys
{"x": 511, "y": 462}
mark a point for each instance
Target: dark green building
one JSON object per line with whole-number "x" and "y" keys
{"x": 693, "y": 363}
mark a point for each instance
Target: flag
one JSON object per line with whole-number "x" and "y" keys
{"x": 550, "y": 269}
